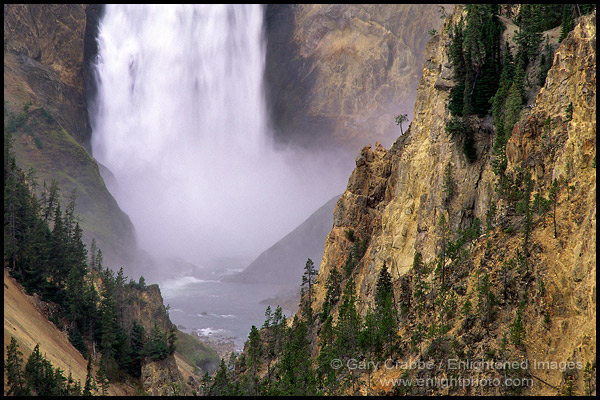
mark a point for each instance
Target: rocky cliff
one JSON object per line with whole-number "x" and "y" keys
{"x": 338, "y": 74}
{"x": 395, "y": 198}
{"x": 47, "y": 54}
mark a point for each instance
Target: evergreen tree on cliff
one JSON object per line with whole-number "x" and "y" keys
{"x": 15, "y": 381}
{"x": 385, "y": 308}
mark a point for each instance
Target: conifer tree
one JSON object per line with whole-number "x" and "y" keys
{"x": 567, "y": 24}
{"x": 400, "y": 119}
{"x": 89, "y": 380}
{"x": 137, "y": 349}
{"x": 58, "y": 245}
{"x": 308, "y": 279}
{"x": 268, "y": 316}
{"x": 102, "y": 377}
{"x": 420, "y": 287}
{"x": 385, "y": 308}
{"x": 34, "y": 370}
{"x": 255, "y": 352}
{"x": 15, "y": 381}
{"x": 349, "y": 322}
{"x": 546, "y": 60}
{"x": 220, "y": 384}
{"x": 333, "y": 291}
{"x": 297, "y": 374}
{"x": 60, "y": 388}
{"x": 328, "y": 352}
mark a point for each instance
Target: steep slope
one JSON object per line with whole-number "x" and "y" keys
{"x": 25, "y": 321}
{"x": 396, "y": 198}
{"x": 492, "y": 276}
{"x": 45, "y": 109}
{"x": 284, "y": 262}
{"x": 339, "y": 73}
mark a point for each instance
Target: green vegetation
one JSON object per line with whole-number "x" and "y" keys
{"x": 400, "y": 119}
{"x": 41, "y": 143}
{"x": 569, "y": 112}
{"x": 44, "y": 251}
{"x": 308, "y": 279}
{"x": 357, "y": 251}
{"x": 546, "y": 59}
{"x": 449, "y": 184}
{"x": 38, "y": 377}
{"x": 475, "y": 54}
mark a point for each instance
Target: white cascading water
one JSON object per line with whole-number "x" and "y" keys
{"x": 181, "y": 122}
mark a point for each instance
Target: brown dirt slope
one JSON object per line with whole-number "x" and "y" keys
{"x": 24, "y": 320}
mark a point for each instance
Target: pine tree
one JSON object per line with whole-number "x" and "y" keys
{"x": 308, "y": 279}
{"x": 172, "y": 339}
{"x": 449, "y": 185}
{"x": 268, "y": 316}
{"x": 328, "y": 352}
{"x": 34, "y": 370}
{"x": 156, "y": 347}
{"x": 420, "y": 286}
{"x": 89, "y": 380}
{"x": 370, "y": 337}
{"x": 15, "y": 381}
{"x": 60, "y": 388}
{"x": 385, "y": 308}
{"x": 400, "y": 119}
{"x": 333, "y": 291}
{"x": 58, "y": 245}
{"x": 567, "y": 24}
{"x": 349, "y": 322}
{"x": 220, "y": 385}
{"x": 297, "y": 374}
{"x": 52, "y": 198}
{"x": 546, "y": 60}
{"x": 255, "y": 352}
{"x": 137, "y": 349}
{"x": 102, "y": 377}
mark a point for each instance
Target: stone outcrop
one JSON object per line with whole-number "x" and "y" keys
{"x": 46, "y": 44}
{"x": 47, "y": 55}
{"x": 396, "y": 197}
{"x": 338, "y": 74}
{"x": 163, "y": 378}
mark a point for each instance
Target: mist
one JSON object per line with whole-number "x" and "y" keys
{"x": 180, "y": 121}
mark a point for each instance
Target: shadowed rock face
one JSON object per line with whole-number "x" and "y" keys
{"x": 338, "y": 74}
{"x": 47, "y": 55}
{"x": 283, "y": 263}
{"x": 48, "y": 41}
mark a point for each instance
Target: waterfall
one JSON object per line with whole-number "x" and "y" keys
{"x": 180, "y": 121}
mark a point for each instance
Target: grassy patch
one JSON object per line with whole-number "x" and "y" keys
{"x": 196, "y": 353}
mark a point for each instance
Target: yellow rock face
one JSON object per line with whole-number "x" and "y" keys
{"x": 405, "y": 219}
